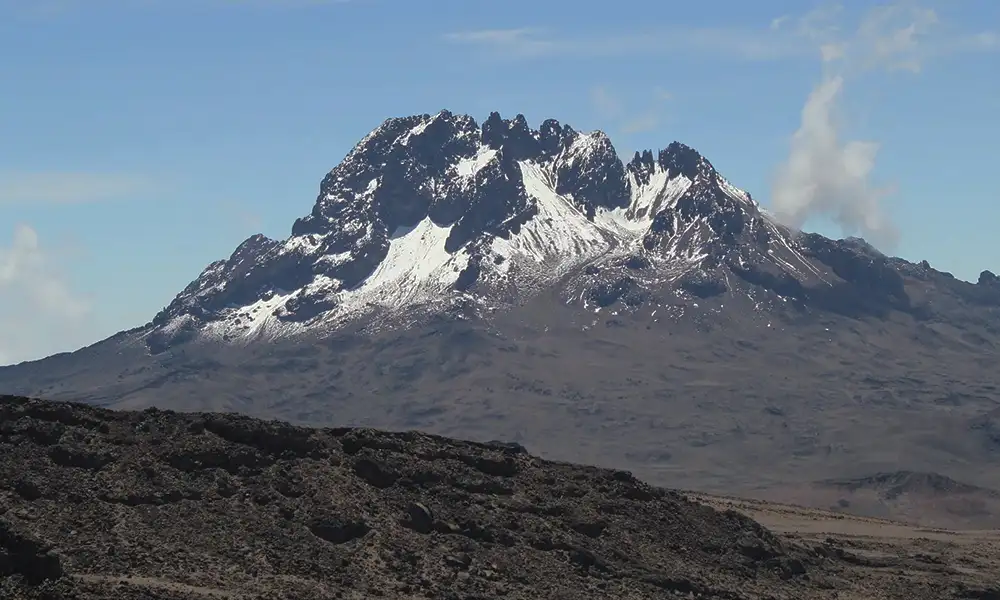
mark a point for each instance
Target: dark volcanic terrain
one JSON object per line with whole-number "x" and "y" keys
{"x": 734, "y": 410}
{"x": 162, "y": 505}
{"x": 493, "y": 281}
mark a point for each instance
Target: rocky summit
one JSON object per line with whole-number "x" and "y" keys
{"x": 150, "y": 505}
{"x": 496, "y": 281}
{"x": 439, "y": 210}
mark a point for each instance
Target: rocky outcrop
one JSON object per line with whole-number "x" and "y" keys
{"x": 209, "y": 503}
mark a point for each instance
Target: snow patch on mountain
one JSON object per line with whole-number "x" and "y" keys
{"x": 468, "y": 167}
{"x": 583, "y": 146}
{"x": 734, "y": 192}
{"x": 417, "y": 269}
{"x": 417, "y": 262}
{"x": 559, "y": 237}
{"x": 254, "y": 321}
{"x": 661, "y": 191}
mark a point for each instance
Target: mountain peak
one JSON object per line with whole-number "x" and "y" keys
{"x": 683, "y": 159}
{"x": 428, "y": 206}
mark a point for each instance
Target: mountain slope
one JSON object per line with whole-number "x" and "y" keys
{"x": 155, "y": 504}
{"x": 498, "y": 282}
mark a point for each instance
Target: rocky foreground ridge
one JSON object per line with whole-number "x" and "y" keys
{"x": 164, "y": 505}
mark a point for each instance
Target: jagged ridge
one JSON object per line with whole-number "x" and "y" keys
{"x": 438, "y": 203}
{"x": 436, "y": 208}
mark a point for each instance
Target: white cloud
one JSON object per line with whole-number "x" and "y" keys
{"x": 525, "y": 42}
{"x": 51, "y": 9}
{"x": 39, "y": 313}
{"x": 824, "y": 175}
{"x": 605, "y": 103}
{"x": 891, "y": 36}
{"x": 783, "y": 37}
{"x": 35, "y": 188}
{"x": 641, "y": 123}
{"x": 534, "y": 42}
{"x": 611, "y": 108}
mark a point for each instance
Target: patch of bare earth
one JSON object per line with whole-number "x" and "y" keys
{"x": 885, "y": 555}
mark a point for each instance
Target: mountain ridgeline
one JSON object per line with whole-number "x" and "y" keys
{"x": 494, "y": 281}
{"x": 477, "y": 196}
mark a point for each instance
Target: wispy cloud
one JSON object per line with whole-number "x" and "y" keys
{"x": 39, "y": 312}
{"x": 642, "y": 123}
{"x": 525, "y": 42}
{"x": 784, "y": 37}
{"x": 275, "y": 3}
{"x": 604, "y": 102}
{"x": 823, "y": 174}
{"x": 611, "y": 108}
{"x": 34, "y": 188}
{"x": 50, "y": 9}
{"x": 236, "y": 214}
{"x": 538, "y": 42}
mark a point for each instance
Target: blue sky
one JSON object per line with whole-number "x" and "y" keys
{"x": 144, "y": 139}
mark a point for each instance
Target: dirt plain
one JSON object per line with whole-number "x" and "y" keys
{"x": 886, "y": 552}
